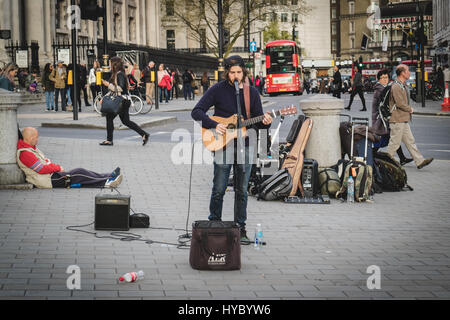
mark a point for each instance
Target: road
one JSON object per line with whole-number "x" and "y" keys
{"x": 431, "y": 133}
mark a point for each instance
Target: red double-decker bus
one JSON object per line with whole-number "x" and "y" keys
{"x": 283, "y": 68}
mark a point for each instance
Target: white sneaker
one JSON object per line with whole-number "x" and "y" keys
{"x": 114, "y": 183}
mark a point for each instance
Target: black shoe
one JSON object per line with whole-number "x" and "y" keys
{"x": 347, "y": 108}
{"x": 88, "y": 105}
{"x": 425, "y": 163}
{"x": 405, "y": 161}
{"x": 106, "y": 143}
{"x": 244, "y": 237}
{"x": 363, "y": 109}
{"x": 146, "y": 136}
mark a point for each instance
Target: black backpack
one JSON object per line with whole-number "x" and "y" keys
{"x": 384, "y": 111}
{"x": 389, "y": 174}
{"x": 278, "y": 186}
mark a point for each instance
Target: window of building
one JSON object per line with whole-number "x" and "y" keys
{"x": 351, "y": 7}
{"x": 333, "y": 13}
{"x": 295, "y": 17}
{"x": 294, "y": 2}
{"x": 333, "y": 28}
{"x": 170, "y": 38}
{"x": 284, "y": 17}
{"x": 60, "y": 14}
{"x": 170, "y": 8}
{"x": 273, "y": 17}
{"x": 132, "y": 29}
{"x": 352, "y": 27}
{"x": 334, "y": 45}
{"x": 352, "y": 42}
{"x": 283, "y": 2}
{"x": 116, "y": 27}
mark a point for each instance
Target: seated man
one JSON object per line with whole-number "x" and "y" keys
{"x": 42, "y": 173}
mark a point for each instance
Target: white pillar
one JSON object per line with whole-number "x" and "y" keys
{"x": 324, "y": 144}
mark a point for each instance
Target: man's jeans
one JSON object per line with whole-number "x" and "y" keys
{"x": 221, "y": 176}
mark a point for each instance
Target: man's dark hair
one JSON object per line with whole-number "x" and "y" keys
{"x": 382, "y": 72}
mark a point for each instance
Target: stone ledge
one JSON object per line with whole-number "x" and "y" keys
{"x": 25, "y": 186}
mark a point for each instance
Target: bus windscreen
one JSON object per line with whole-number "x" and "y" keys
{"x": 281, "y": 59}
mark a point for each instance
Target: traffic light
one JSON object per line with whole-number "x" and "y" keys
{"x": 364, "y": 42}
{"x": 226, "y": 37}
{"x": 90, "y": 10}
{"x": 405, "y": 40}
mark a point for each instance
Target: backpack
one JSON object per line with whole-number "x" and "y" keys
{"x": 384, "y": 111}
{"x": 389, "y": 174}
{"x": 329, "y": 182}
{"x": 363, "y": 181}
{"x": 278, "y": 186}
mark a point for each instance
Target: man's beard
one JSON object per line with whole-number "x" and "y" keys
{"x": 232, "y": 82}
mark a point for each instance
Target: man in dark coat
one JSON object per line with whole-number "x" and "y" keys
{"x": 337, "y": 83}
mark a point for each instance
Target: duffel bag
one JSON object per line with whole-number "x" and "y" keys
{"x": 329, "y": 182}
{"x": 215, "y": 245}
{"x": 278, "y": 186}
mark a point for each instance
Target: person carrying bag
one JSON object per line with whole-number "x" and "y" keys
{"x": 117, "y": 103}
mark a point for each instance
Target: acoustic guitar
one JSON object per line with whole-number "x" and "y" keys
{"x": 214, "y": 141}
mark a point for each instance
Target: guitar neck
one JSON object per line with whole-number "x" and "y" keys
{"x": 258, "y": 119}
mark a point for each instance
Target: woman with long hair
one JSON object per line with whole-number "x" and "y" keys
{"x": 92, "y": 79}
{"x": 49, "y": 87}
{"x": 7, "y": 77}
{"x": 118, "y": 83}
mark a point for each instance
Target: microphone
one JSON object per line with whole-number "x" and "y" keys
{"x": 236, "y": 86}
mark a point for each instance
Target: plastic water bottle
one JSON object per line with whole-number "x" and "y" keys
{"x": 75, "y": 185}
{"x": 258, "y": 237}
{"x": 350, "y": 190}
{"x": 132, "y": 276}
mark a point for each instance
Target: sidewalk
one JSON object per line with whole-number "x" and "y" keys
{"x": 313, "y": 251}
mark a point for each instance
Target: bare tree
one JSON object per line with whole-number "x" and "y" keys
{"x": 201, "y": 17}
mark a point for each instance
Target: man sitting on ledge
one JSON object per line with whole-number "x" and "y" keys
{"x": 42, "y": 173}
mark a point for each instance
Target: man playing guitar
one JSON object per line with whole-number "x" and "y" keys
{"x": 223, "y": 97}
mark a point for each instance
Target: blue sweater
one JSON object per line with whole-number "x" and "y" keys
{"x": 222, "y": 96}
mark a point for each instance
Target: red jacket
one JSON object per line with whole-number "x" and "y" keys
{"x": 166, "y": 82}
{"x": 32, "y": 162}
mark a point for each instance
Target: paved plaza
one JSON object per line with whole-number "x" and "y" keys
{"x": 312, "y": 251}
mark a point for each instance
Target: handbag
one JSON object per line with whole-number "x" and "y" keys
{"x": 215, "y": 245}
{"x": 111, "y": 104}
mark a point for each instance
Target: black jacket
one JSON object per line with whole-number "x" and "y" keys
{"x": 337, "y": 80}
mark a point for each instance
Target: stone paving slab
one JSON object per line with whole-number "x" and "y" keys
{"x": 312, "y": 251}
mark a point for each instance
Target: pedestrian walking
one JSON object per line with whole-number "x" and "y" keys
{"x": 205, "y": 82}
{"x": 58, "y": 76}
{"x": 149, "y": 84}
{"x": 187, "y": 84}
{"x": 377, "y": 124}
{"x": 258, "y": 83}
{"x": 7, "y": 77}
{"x": 163, "y": 83}
{"x": 399, "y": 103}
{"x": 357, "y": 88}
{"x": 193, "y": 84}
{"x": 95, "y": 89}
{"x": 84, "y": 84}
{"x": 337, "y": 83}
{"x": 118, "y": 83}
{"x": 49, "y": 87}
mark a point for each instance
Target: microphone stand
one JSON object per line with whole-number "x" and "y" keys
{"x": 239, "y": 125}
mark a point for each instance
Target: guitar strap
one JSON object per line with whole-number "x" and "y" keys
{"x": 247, "y": 96}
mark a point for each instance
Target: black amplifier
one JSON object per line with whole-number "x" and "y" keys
{"x": 310, "y": 178}
{"x": 112, "y": 212}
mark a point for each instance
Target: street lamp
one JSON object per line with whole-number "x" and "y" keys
{"x": 293, "y": 32}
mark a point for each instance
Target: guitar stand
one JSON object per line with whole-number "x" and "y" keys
{"x": 320, "y": 199}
